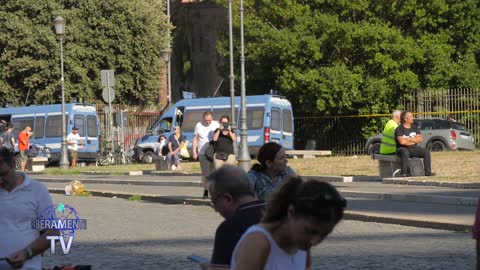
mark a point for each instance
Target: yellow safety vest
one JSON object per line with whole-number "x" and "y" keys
{"x": 389, "y": 144}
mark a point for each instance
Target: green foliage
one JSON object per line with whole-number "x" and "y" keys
{"x": 340, "y": 57}
{"x": 135, "y": 198}
{"x": 126, "y": 36}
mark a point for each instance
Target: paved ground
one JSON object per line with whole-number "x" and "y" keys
{"x": 399, "y": 212}
{"x": 125, "y": 234}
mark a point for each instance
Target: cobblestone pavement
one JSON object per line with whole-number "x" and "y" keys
{"x": 124, "y": 234}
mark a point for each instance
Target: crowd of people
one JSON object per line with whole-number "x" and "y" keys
{"x": 272, "y": 216}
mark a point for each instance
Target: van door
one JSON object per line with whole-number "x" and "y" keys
{"x": 276, "y": 125}
{"x": 287, "y": 131}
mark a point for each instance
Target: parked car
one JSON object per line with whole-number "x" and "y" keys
{"x": 438, "y": 135}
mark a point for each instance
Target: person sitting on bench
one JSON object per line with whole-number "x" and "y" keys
{"x": 389, "y": 145}
{"x": 408, "y": 136}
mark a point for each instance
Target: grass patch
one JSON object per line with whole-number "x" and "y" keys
{"x": 85, "y": 194}
{"x": 135, "y": 198}
{"x": 453, "y": 166}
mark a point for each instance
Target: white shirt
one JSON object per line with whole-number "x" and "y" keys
{"x": 73, "y": 139}
{"x": 204, "y": 135}
{"x": 278, "y": 259}
{"x": 17, "y": 209}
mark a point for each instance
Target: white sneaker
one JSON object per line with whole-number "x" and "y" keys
{"x": 174, "y": 167}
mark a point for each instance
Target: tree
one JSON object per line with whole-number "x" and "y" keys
{"x": 340, "y": 57}
{"x": 126, "y": 36}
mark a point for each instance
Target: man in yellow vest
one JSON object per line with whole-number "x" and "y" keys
{"x": 389, "y": 145}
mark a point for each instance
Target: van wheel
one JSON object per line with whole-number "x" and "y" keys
{"x": 18, "y": 162}
{"x": 437, "y": 146}
{"x": 147, "y": 157}
{"x": 374, "y": 148}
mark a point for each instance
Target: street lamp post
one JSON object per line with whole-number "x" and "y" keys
{"x": 244, "y": 155}
{"x": 59, "y": 24}
{"x": 232, "y": 75}
{"x": 166, "y": 54}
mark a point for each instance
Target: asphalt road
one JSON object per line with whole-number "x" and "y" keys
{"x": 124, "y": 234}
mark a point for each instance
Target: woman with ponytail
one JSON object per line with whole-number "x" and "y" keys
{"x": 270, "y": 171}
{"x": 299, "y": 216}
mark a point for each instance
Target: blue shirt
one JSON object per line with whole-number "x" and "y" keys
{"x": 262, "y": 183}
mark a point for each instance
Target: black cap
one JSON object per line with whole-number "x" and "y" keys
{"x": 74, "y": 128}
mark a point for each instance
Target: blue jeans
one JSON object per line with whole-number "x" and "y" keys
{"x": 173, "y": 159}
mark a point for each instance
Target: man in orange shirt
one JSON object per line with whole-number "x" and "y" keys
{"x": 23, "y": 144}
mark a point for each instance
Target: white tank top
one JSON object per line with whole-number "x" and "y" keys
{"x": 278, "y": 259}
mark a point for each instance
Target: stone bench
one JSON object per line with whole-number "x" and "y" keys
{"x": 388, "y": 165}
{"x": 308, "y": 153}
{"x": 161, "y": 163}
{"x": 36, "y": 164}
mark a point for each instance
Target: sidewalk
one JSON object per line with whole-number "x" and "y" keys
{"x": 430, "y": 207}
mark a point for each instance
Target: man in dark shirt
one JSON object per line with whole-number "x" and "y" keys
{"x": 408, "y": 136}
{"x": 233, "y": 199}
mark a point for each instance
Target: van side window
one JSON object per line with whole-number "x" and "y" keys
{"x": 275, "y": 123}
{"x": 79, "y": 122}
{"x": 287, "y": 121}
{"x": 20, "y": 123}
{"x": 190, "y": 119}
{"x": 53, "y": 128}
{"x": 39, "y": 126}
{"x": 255, "y": 118}
{"x": 217, "y": 113}
{"x": 92, "y": 126}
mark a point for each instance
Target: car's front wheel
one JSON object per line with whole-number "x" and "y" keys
{"x": 147, "y": 157}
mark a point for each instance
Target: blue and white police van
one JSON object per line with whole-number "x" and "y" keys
{"x": 269, "y": 118}
{"x": 46, "y": 124}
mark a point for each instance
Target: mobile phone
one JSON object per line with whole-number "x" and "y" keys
{"x": 198, "y": 259}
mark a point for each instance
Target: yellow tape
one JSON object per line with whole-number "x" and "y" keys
{"x": 384, "y": 115}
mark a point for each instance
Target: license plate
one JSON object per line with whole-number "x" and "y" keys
{"x": 464, "y": 137}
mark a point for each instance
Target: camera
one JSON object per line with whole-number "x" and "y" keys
{"x": 225, "y": 126}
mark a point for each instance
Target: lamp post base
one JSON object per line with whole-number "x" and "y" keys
{"x": 64, "y": 163}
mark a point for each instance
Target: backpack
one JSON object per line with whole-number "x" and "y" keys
{"x": 32, "y": 151}
{"x": 164, "y": 150}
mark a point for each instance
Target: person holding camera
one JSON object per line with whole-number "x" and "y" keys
{"x": 224, "y": 137}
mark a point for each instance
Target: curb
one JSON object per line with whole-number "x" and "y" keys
{"x": 128, "y": 182}
{"x": 349, "y": 215}
{"x": 458, "y": 185}
{"x": 436, "y": 199}
{"x": 352, "y": 215}
{"x": 343, "y": 179}
{"x": 144, "y": 172}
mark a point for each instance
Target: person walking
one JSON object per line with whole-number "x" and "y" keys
{"x": 300, "y": 215}
{"x": 175, "y": 144}
{"x": 73, "y": 140}
{"x": 224, "y": 137}
{"x": 270, "y": 171}
{"x": 23, "y": 144}
{"x": 21, "y": 199}
{"x": 202, "y": 136}
{"x": 9, "y": 138}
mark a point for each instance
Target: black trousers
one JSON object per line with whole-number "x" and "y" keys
{"x": 415, "y": 151}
